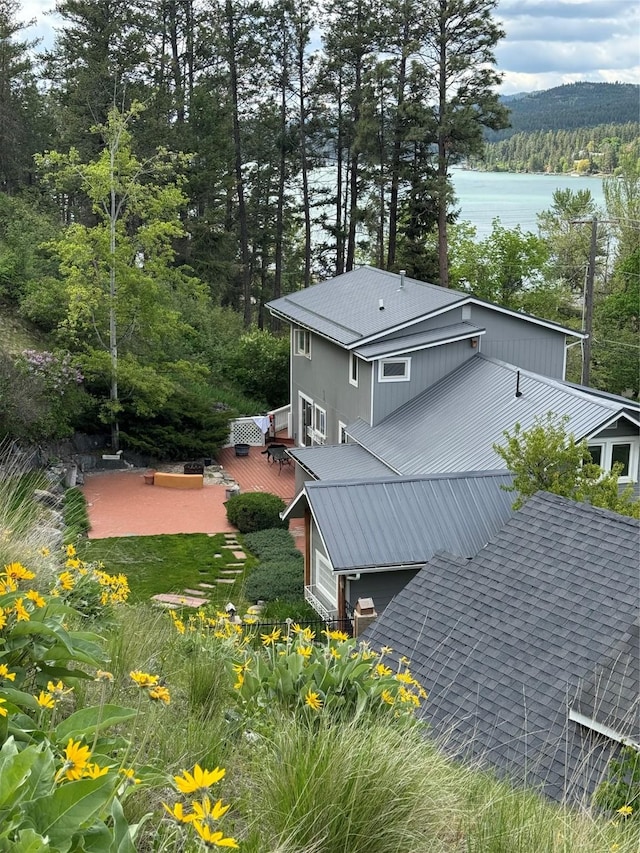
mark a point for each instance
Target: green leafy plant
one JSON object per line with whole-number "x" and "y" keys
{"x": 621, "y": 788}
{"x": 255, "y": 511}
{"x": 271, "y": 543}
{"x": 276, "y": 580}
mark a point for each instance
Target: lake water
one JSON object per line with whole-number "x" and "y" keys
{"x": 515, "y": 198}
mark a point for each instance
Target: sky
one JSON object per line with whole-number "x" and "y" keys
{"x": 547, "y": 43}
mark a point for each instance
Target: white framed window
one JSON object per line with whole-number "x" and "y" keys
{"x": 326, "y": 582}
{"x": 342, "y": 433}
{"x": 302, "y": 342}
{"x": 354, "y": 369}
{"x": 394, "y": 370}
{"x": 606, "y": 452}
{"x": 320, "y": 421}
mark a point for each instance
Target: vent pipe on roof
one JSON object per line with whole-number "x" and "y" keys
{"x": 402, "y": 275}
{"x": 381, "y": 304}
{"x": 518, "y": 391}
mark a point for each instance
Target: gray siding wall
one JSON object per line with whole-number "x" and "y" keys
{"x": 325, "y": 379}
{"x": 380, "y": 586}
{"x": 427, "y": 367}
{"x": 316, "y": 547}
{"x": 521, "y": 343}
{"x": 623, "y": 429}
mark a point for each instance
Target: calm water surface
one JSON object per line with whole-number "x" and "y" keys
{"x": 515, "y": 198}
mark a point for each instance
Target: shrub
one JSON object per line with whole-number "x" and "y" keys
{"x": 255, "y": 511}
{"x": 297, "y": 609}
{"x": 283, "y": 581}
{"x": 271, "y": 544}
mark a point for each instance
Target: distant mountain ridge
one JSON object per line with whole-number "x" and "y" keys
{"x": 571, "y": 106}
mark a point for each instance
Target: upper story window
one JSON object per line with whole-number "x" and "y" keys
{"x": 353, "y": 369}
{"x": 320, "y": 422}
{"x": 607, "y": 452}
{"x": 394, "y": 370}
{"x": 302, "y": 342}
{"x": 342, "y": 433}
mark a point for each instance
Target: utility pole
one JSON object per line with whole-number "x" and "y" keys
{"x": 588, "y": 303}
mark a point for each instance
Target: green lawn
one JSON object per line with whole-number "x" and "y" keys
{"x": 168, "y": 563}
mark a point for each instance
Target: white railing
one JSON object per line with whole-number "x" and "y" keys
{"x": 282, "y": 418}
{"x": 318, "y": 606}
{"x": 245, "y": 431}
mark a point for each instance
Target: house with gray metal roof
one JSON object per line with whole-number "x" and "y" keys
{"x": 454, "y": 424}
{"x": 367, "y": 538}
{"x": 367, "y": 342}
{"x": 529, "y": 651}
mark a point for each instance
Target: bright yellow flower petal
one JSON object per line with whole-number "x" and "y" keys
{"x": 313, "y": 700}
{"x": 5, "y": 674}
{"x": 177, "y": 812}
{"x": 46, "y": 700}
{"x": 3, "y": 711}
{"x": 211, "y": 838}
{"x": 143, "y": 679}
{"x": 199, "y": 780}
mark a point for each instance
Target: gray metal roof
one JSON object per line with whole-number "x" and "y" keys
{"x": 503, "y": 641}
{"x": 346, "y": 308}
{"x": 454, "y": 424}
{"x": 397, "y": 521}
{"x": 420, "y": 340}
{"x": 339, "y": 462}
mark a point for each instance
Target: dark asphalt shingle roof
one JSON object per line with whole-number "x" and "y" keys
{"x": 394, "y": 522}
{"x": 504, "y": 642}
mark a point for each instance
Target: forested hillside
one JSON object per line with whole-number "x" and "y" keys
{"x": 585, "y": 150}
{"x": 575, "y": 105}
{"x": 167, "y": 167}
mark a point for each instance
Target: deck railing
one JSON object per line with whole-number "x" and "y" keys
{"x": 317, "y": 605}
{"x": 282, "y": 419}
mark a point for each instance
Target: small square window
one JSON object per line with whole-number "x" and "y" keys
{"x": 342, "y": 433}
{"x": 302, "y": 343}
{"x": 394, "y": 370}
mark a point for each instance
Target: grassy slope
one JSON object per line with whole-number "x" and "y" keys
{"x": 169, "y": 563}
{"x": 16, "y": 334}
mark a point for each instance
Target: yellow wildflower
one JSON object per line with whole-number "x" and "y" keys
{"x": 625, "y": 811}
{"x": 22, "y": 615}
{"x": 3, "y": 711}
{"x": 239, "y": 682}
{"x": 305, "y": 651}
{"x": 44, "y": 551}
{"x": 93, "y": 771}
{"x": 387, "y": 697}
{"x": 160, "y": 694}
{"x": 199, "y": 780}
{"x": 405, "y": 677}
{"x": 143, "y": 679}
{"x": 335, "y": 654}
{"x": 270, "y": 639}
{"x": 381, "y": 670}
{"x": 129, "y": 775}
{"x": 213, "y": 839}
{"x": 34, "y": 595}
{"x": 336, "y": 635}
{"x": 17, "y": 572}
{"x": 177, "y": 812}
{"x": 5, "y": 674}
{"x": 57, "y": 690}
{"x": 76, "y": 759}
{"x": 66, "y": 580}
{"x": 71, "y": 551}
{"x": 407, "y": 696}
{"x": 8, "y": 585}
{"x": 46, "y": 700}
{"x": 386, "y": 650}
{"x": 206, "y": 813}
{"x": 3, "y": 617}
{"x": 405, "y": 660}
{"x": 249, "y": 620}
{"x": 313, "y": 700}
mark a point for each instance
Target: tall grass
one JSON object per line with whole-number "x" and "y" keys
{"x": 23, "y": 520}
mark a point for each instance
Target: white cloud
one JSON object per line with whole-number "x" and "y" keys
{"x": 552, "y": 42}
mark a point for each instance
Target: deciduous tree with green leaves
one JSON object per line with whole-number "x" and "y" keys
{"x": 121, "y": 291}
{"x": 546, "y": 457}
